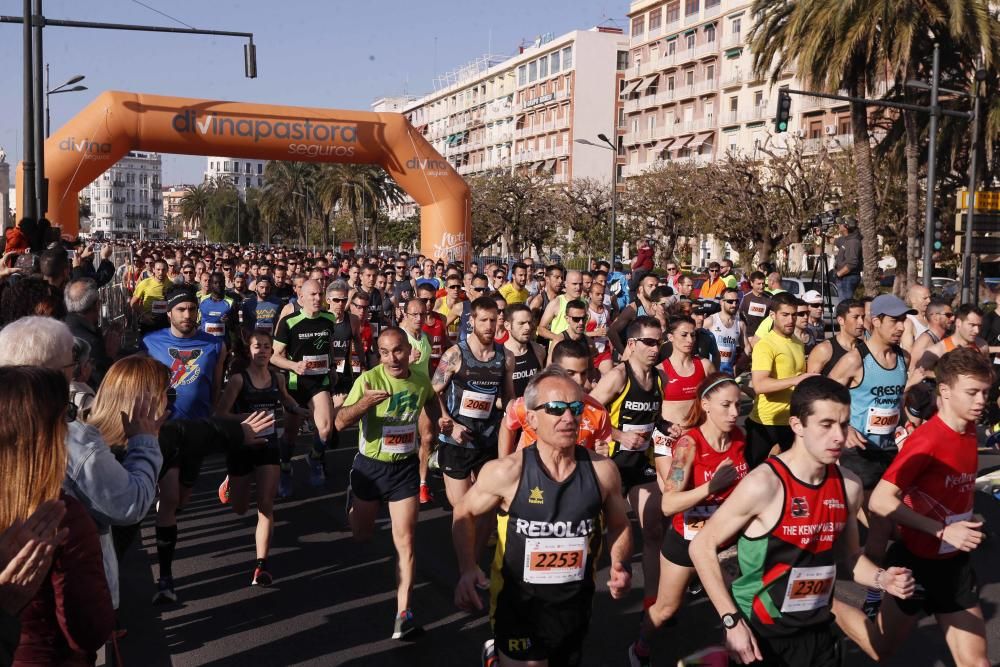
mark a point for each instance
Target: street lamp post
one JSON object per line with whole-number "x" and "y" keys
{"x": 63, "y": 88}
{"x": 609, "y": 145}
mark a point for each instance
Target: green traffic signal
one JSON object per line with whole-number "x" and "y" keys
{"x": 937, "y": 245}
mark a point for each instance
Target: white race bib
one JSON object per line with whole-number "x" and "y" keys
{"x": 556, "y": 560}
{"x": 725, "y": 354}
{"x": 695, "y": 518}
{"x": 399, "y": 439}
{"x": 215, "y": 328}
{"x": 645, "y": 429}
{"x": 663, "y": 444}
{"x": 270, "y": 430}
{"x": 756, "y": 309}
{"x": 882, "y": 421}
{"x": 159, "y": 307}
{"x": 946, "y": 548}
{"x": 316, "y": 364}
{"x": 809, "y": 588}
{"x": 476, "y": 405}
{"x": 355, "y": 365}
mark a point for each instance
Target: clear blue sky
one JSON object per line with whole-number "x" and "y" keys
{"x": 330, "y": 54}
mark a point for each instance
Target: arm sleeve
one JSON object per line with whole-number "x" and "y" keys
{"x": 10, "y": 634}
{"x": 762, "y": 358}
{"x": 118, "y": 493}
{"x": 357, "y": 390}
{"x": 83, "y": 603}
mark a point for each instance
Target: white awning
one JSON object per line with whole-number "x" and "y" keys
{"x": 704, "y": 138}
{"x": 647, "y": 82}
{"x": 630, "y": 88}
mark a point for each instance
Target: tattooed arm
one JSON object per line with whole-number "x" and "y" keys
{"x": 677, "y": 497}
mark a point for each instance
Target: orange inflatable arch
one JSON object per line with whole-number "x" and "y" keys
{"x": 118, "y": 122}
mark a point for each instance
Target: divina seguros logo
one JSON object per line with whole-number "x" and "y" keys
{"x": 325, "y": 138}
{"x": 91, "y": 150}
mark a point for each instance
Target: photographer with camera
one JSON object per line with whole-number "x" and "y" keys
{"x": 847, "y": 263}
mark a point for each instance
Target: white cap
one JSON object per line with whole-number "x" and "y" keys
{"x": 812, "y": 297}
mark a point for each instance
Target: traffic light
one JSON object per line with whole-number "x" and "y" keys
{"x": 784, "y": 111}
{"x": 938, "y": 234}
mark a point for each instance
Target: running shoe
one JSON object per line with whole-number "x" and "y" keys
{"x": 425, "y": 494}
{"x": 317, "y": 475}
{"x": 405, "y": 626}
{"x": 165, "y": 591}
{"x": 285, "y": 484}
{"x": 224, "y": 491}
{"x": 490, "y": 654}
{"x": 636, "y": 660}
{"x": 261, "y": 577}
{"x": 695, "y": 587}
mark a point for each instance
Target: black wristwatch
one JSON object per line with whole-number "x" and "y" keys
{"x": 729, "y": 621}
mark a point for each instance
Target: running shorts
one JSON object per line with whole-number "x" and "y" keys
{"x": 812, "y": 647}
{"x": 762, "y": 437}
{"x": 460, "y": 462}
{"x": 244, "y": 460}
{"x": 635, "y": 469}
{"x": 949, "y": 584}
{"x": 543, "y": 631}
{"x": 384, "y": 481}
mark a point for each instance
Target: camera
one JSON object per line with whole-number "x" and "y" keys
{"x": 824, "y": 223}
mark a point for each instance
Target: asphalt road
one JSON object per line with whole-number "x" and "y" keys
{"x": 333, "y": 601}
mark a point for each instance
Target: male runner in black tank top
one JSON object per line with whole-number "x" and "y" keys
{"x": 473, "y": 386}
{"x": 346, "y": 339}
{"x": 794, "y": 517}
{"x": 633, "y": 394}
{"x": 850, "y": 329}
{"x": 529, "y": 356}
{"x": 550, "y": 498}
{"x": 376, "y": 314}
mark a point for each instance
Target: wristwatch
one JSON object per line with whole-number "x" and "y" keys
{"x": 729, "y": 621}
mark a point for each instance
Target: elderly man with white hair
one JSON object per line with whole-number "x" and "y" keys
{"x": 114, "y": 493}
{"x": 83, "y": 306}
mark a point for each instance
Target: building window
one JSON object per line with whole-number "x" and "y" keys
{"x": 712, "y": 3}
{"x": 758, "y": 99}
{"x": 554, "y": 63}
{"x": 532, "y": 71}
{"x": 690, "y": 42}
{"x": 638, "y": 25}
{"x": 248, "y": 166}
{"x": 654, "y": 20}
{"x": 691, "y": 7}
{"x": 689, "y": 77}
{"x": 735, "y": 27}
{"x": 622, "y": 60}
{"x": 246, "y": 182}
{"x": 260, "y": 182}
{"x": 567, "y": 57}
{"x": 710, "y": 73}
{"x": 673, "y": 12}
{"x": 844, "y": 125}
{"x": 522, "y": 75}
{"x": 543, "y": 67}
{"x": 260, "y": 168}
{"x": 734, "y": 104}
{"x": 710, "y": 33}
{"x": 671, "y": 47}
{"x": 236, "y": 166}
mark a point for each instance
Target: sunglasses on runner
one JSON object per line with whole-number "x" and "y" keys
{"x": 478, "y": 289}
{"x": 577, "y": 318}
{"x": 651, "y": 342}
{"x": 559, "y": 408}
{"x": 802, "y": 313}
{"x": 342, "y": 299}
{"x": 454, "y": 286}
{"x": 729, "y": 301}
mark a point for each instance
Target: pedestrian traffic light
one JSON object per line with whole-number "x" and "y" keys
{"x": 784, "y": 111}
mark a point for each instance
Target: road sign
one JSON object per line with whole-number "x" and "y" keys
{"x": 982, "y": 223}
{"x": 981, "y": 245}
{"x": 985, "y": 200}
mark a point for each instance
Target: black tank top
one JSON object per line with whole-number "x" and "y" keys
{"x": 525, "y": 367}
{"x": 376, "y": 313}
{"x": 253, "y": 399}
{"x": 636, "y": 408}
{"x": 836, "y": 352}
{"x": 340, "y": 342}
{"x": 472, "y": 393}
{"x": 549, "y": 538}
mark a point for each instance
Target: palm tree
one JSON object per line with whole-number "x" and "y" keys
{"x": 287, "y": 194}
{"x": 854, "y": 46}
{"x": 195, "y": 203}
{"x": 364, "y": 191}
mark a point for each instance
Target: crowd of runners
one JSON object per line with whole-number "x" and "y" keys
{"x": 554, "y": 403}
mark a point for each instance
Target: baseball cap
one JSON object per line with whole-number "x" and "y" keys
{"x": 920, "y": 401}
{"x": 812, "y": 297}
{"x": 893, "y": 306}
{"x": 428, "y": 281}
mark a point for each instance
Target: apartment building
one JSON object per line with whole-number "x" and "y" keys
{"x": 690, "y": 94}
{"x": 172, "y": 213}
{"x": 523, "y": 113}
{"x": 242, "y": 173}
{"x": 125, "y": 201}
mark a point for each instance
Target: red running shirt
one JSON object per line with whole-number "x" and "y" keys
{"x": 706, "y": 460}
{"x": 936, "y": 471}
{"x": 682, "y": 387}
{"x": 438, "y": 335}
